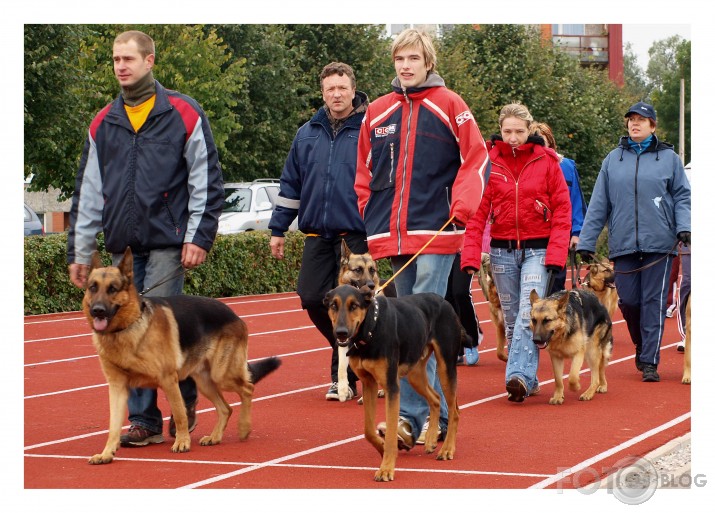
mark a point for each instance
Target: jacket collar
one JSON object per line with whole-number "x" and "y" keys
{"x": 433, "y": 80}
{"x": 117, "y": 113}
{"x": 354, "y": 120}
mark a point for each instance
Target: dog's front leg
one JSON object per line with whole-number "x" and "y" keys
{"x": 170, "y": 386}
{"x": 118, "y": 395}
{"x": 389, "y": 456}
{"x": 342, "y": 373}
{"x": 558, "y": 365}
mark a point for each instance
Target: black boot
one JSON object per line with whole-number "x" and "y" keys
{"x": 650, "y": 373}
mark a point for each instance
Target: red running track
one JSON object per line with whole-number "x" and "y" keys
{"x": 302, "y": 441}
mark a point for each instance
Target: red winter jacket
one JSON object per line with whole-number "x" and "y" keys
{"x": 526, "y": 198}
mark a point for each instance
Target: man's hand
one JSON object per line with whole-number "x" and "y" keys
{"x": 586, "y": 256}
{"x": 78, "y": 274}
{"x": 277, "y": 245}
{"x": 192, "y": 255}
{"x": 574, "y": 242}
{"x": 684, "y": 237}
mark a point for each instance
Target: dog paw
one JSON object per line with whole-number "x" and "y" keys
{"x": 556, "y": 400}
{"x": 445, "y": 454}
{"x": 586, "y": 396}
{"x": 208, "y": 440}
{"x": 181, "y": 446}
{"x": 101, "y": 459}
{"x": 602, "y": 389}
{"x": 686, "y": 380}
{"x": 385, "y": 474}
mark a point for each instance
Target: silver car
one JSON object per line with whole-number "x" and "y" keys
{"x": 33, "y": 225}
{"x": 249, "y": 205}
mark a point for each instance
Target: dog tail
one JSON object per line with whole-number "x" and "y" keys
{"x": 467, "y": 341}
{"x": 262, "y": 368}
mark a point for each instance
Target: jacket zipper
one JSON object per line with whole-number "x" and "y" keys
{"x": 404, "y": 174}
{"x": 635, "y": 189}
{"x": 392, "y": 160}
{"x": 516, "y": 196}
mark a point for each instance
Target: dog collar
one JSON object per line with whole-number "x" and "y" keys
{"x": 370, "y": 328}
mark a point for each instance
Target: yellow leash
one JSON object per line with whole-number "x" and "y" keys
{"x": 413, "y": 256}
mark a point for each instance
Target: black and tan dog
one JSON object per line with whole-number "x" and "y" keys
{"x": 601, "y": 280}
{"x": 156, "y": 342}
{"x": 486, "y": 282}
{"x": 358, "y": 270}
{"x": 573, "y": 324}
{"x": 392, "y": 338}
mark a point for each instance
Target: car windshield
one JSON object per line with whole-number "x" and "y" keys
{"x": 237, "y": 200}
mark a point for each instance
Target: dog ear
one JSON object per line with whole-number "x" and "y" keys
{"x": 345, "y": 252}
{"x": 126, "y": 265}
{"x": 564, "y": 301}
{"x": 533, "y": 297}
{"x": 96, "y": 261}
{"x": 328, "y": 298}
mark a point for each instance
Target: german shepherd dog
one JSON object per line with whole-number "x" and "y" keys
{"x": 573, "y": 324}
{"x": 156, "y": 342}
{"x": 601, "y": 280}
{"x": 686, "y": 361}
{"x": 486, "y": 282}
{"x": 392, "y": 338}
{"x": 358, "y": 270}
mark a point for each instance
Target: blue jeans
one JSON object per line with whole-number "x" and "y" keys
{"x": 426, "y": 273}
{"x": 150, "y": 268}
{"x": 516, "y": 272}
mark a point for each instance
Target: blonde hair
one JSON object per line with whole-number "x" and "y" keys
{"x": 145, "y": 44}
{"x": 417, "y": 38}
{"x": 544, "y": 131}
{"x": 515, "y": 110}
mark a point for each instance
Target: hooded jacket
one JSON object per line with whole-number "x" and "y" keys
{"x": 526, "y": 199}
{"x": 156, "y": 188}
{"x": 644, "y": 198}
{"x": 421, "y": 159}
{"x": 317, "y": 182}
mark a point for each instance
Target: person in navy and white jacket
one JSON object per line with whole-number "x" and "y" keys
{"x": 150, "y": 179}
{"x": 644, "y": 195}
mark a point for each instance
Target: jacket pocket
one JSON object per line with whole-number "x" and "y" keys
{"x": 385, "y": 164}
{"x": 167, "y": 208}
{"x": 543, "y": 210}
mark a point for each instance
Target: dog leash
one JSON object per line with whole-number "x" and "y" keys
{"x": 379, "y": 290}
{"x": 179, "y": 271}
{"x": 575, "y": 270}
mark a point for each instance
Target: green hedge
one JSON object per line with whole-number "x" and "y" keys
{"x": 237, "y": 265}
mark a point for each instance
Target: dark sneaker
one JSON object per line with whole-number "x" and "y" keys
{"x": 516, "y": 390}
{"x": 191, "y": 416}
{"x": 139, "y": 436}
{"x": 332, "y": 394}
{"x": 650, "y": 373}
{"x": 405, "y": 440}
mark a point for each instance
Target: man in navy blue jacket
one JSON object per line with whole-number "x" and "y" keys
{"x": 317, "y": 185}
{"x": 150, "y": 179}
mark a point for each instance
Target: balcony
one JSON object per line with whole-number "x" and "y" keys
{"x": 587, "y": 49}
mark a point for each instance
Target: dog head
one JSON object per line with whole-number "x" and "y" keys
{"x": 357, "y": 270}
{"x": 111, "y": 302}
{"x": 347, "y": 308}
{"x": 547, "y": 317}
{"x": 601, "y": 275}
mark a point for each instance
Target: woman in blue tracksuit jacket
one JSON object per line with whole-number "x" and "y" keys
{"x": 644, "y": 195}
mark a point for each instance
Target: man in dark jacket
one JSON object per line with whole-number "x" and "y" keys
{"x": 317, "y": 185}
{"x": 149, "y": 178}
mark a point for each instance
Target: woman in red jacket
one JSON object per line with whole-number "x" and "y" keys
{"x": 527, "y": 204}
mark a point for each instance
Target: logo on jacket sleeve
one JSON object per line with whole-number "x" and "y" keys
{"x": 384, "y": 131}
{"x": 463, "y": 117}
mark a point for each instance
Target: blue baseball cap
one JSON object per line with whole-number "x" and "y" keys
{"x": 645, "y": 110}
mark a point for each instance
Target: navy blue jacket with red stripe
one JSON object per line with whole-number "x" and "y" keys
{"x": 154, "y": 188}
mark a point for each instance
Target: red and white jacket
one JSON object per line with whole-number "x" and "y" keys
{"x": 421, "y": 160}
{"x": 526, "y": 198}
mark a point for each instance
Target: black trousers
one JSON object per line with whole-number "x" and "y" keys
{"x": 319, "y": 274}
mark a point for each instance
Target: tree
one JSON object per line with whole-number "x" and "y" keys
{"x": 669, "y": 63}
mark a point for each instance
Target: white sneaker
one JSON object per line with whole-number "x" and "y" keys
{"x": 670, "y": 311}
{"x": 423, "y": 433}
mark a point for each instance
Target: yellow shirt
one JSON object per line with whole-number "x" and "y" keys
{"x": 138, "y": 114}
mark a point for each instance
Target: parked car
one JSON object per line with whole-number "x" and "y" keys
{"x": 33, "y": 225}
{"x": 249, "y": 205}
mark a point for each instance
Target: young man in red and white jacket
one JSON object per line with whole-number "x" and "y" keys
{"x": 421, "y": 162}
